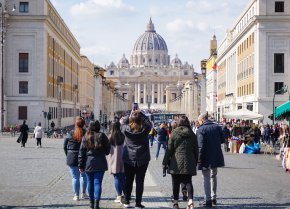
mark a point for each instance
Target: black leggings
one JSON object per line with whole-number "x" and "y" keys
{"x": 177, "y": 179}
{"x": 130, "y": 173}
{"x": 38, "y": 141}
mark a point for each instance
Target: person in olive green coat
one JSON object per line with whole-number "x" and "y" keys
{"x": 181, "y": 158}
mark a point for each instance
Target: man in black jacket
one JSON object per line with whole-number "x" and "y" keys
{"x": 210, "y": 137}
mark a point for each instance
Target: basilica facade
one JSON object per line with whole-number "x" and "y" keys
{"x": 150, "y": 71}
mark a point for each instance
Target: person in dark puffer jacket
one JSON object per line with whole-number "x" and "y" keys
{"x": 136, "y": 155}
{"x": 71, "y": 148}
{"x": 92, "y": 159}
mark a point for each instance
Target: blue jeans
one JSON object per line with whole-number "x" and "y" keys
{"x": 151, "y": 138}
{"x": 95, "y": 184}
{"x": 77, "y": 180}
{"x": 164, "y": 145}
{"x": 119, "y": 183}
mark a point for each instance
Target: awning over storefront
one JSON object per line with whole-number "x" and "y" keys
{"x": 243, "y": 114}
{"x": 283, "y": 110}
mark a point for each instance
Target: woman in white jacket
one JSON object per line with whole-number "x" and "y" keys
{"x": 38, "y": 134}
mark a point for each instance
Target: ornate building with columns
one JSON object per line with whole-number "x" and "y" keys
{"x": 144, "y": 79}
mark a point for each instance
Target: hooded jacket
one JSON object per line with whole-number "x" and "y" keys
{"x": 182, "y": 152}
{"x": 136, "y": 148}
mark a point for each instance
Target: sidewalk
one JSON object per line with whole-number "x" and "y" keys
{"x": 38, "y": 178}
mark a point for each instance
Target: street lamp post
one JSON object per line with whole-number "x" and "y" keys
{"x": 195, "y": 105}
{"x": 75, "y": 89}
{"x": 59, "y": 110}
{"x": 283, "y": 90}
{"x": 103, "y": 106}
{"x": 4, "y": 11}
{"x": 97, "y": 96}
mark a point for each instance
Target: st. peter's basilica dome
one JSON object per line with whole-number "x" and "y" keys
{"x": 150, "y": 49}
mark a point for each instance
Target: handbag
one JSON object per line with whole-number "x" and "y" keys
{"x": 19, "y": 138}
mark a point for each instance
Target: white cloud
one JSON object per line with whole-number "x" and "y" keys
{"x": 179, "y": 25}
{"x": 96, "y": 7}
{"x": 90, "y": 50}
{"x": 202, "y": 6}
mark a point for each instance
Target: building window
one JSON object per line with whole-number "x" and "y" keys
{"x": 111, "y": 72}
{"x": 278, "y": 63}
{"x": 141, "y": 73}
{"x": 155, "y": 100}
{"x": 279, "y": 86}
{"x": 279, "y": 6}
{"x": 22, "y": 113}
{"x": 23, "y": 7}
{"x": 185, "y": 72}
{"x": 156, "y": 73}
{"x": 250, "y": 106}
{"x": 23, "y": 62}
{"x": 23, "y": 87}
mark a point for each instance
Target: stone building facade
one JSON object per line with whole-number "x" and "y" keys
{"x": 41, "y": 65}
{"x": 254, "y": 58}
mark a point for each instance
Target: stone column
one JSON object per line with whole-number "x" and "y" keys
{"x": 144, "y": 94}
{"x": 161, "y": 93}
{"x": 135, "y": 92}
{"x": 112, "y": 105}
{"x": 168, "y": 92}
{"x": 186, "y": 102}
{"x": 203, "y": 95}
{"x": 97, "y": 97}
{"x": 195, "y": 100}
{"x": 191, "y": 100}
{"x": 153, "y": 93}
{"x": 158, "y": 94}
{"x": 138, "y": 93}
{"x": 183, "y": 101}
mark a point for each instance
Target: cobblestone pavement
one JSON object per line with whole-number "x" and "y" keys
{"x": 33, "y": 178}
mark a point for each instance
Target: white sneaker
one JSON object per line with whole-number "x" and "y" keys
{"x": 84, "y": 196}
{"x": 127, "y": 205}
{"x": 76, "y": 198}
{"x": 118, "y": 199}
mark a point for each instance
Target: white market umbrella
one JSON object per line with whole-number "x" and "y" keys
{"x": 243, "y": 114}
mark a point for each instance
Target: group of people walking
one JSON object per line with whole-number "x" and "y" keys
{"x": 128, "y": 155}
{"x": 38, "y": 134}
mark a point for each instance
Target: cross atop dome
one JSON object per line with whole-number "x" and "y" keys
{"x": 150, "y": 26}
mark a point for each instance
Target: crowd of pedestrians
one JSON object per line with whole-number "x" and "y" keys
{"x": 125, "y": 151}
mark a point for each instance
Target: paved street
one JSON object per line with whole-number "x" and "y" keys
{"x": 39, "y": 178}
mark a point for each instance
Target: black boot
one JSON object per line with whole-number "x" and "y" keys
{"x": 97, "y": 205}
{"x": 92, "y": 203}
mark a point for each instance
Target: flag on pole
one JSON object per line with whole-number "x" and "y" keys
{"x": 214, "y": 66}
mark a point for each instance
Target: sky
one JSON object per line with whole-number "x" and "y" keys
{"x": 107, "y": 29}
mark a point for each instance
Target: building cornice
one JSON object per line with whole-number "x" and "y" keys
{"x": 45, "y": 20}
{"x": 236, "y": 40}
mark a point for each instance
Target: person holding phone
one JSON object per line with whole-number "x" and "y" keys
{"x": 136, "y": 155}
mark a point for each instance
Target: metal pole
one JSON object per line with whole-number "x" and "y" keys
{"x": 274, "y": 109}
{"x": 2, "y": 67}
